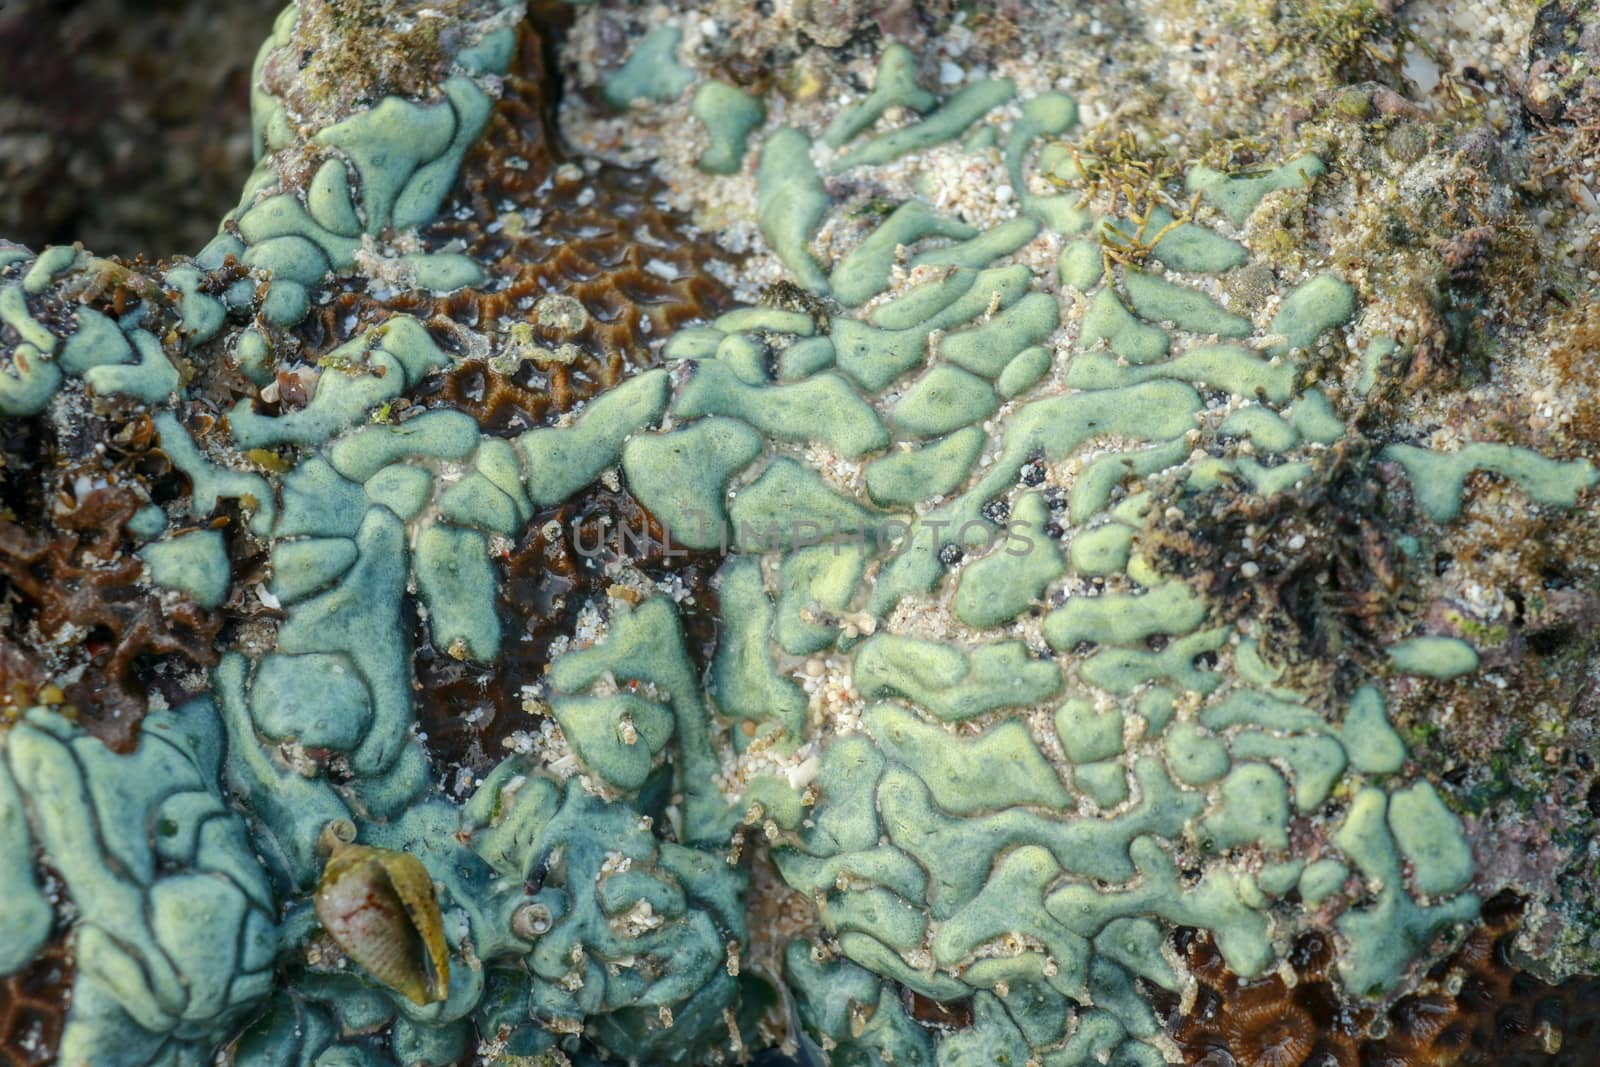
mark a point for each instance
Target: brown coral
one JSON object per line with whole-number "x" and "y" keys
{"x": 1265, "y": 1022}
{"x": 566, "y": 557}
{"x": 1477, "y": 1008}
{"x": 33, "y": 1006}
{"x": 73, "y": 609}
{"x": 587, "y": 269}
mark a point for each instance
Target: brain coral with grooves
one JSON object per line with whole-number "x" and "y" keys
{"x": 673, "y": 536}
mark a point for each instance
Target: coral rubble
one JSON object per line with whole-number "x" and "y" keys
{"x": 929, "y": 569}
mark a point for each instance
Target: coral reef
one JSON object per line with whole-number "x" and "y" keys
{"x": 929, "y": 571}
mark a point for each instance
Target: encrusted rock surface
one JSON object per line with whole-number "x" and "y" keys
{"x": 838, "y": 533}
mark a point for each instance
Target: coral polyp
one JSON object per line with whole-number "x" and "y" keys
{"x": 649, "y": 536}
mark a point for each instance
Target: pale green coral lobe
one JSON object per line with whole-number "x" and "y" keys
{"x": 652, "y": 72}
{"x": 1237, "y": 196}
{"x": 1439, "y": 478}
{"x": 791, "y": 204}
{"x": 193, "y": 563}
{"x": 729, "y": 115}
{"x": 1435, "y": 657}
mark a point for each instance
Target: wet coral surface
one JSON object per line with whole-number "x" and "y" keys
{"x": 840, "y": 534}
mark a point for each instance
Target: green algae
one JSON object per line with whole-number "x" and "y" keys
{"x": 1266, "y": 430}
{"x": 457, "y": 584}
{"x": 1227, "y": 367}
{"x": 561, "y": 461}
{"x": 805, "y": 358}
{"x": 790, "y": 204}
{"x": 987, "y": 348}
{"x": 30, "y": 382}
{"x": 1107, "y": 320}
{"x": 1189, "y": 247}
{"x": 97, "y": 342}
{"x": 151, "y": 379}
{"x": 1237, "y": 196}
{"x": 744, "y": 682}
{"x": 652, "y": 71}
{"x": 1196, "y": 757}
{"x": 14, "y": 313}
{"x": 950, "y": 683}
{"x": 1023, "y": 372}
{"x": 25, "y": 914}
{"x": 1430, "y": 836}
{"x": 1213, "y": 903}
{"x": 1368, "y": 739}
{"x": 402, "y": 489}
{"x": 316, "y": 699}
{"x": 1315, "y": 763}
{"x": 976, "y": 830}
{"x": 600, "y": 729}
{"x": 1321, "y": 879}
{"x": 729, "y": 116}
{"x": 1100, "y": 479}
{"x": 1000, "y": 768}
{"x": 1434, "y": 657}
{"x": 1309, "y": 311}
{"x": 864, "y": 272}
{"x": 1253, "y": 809}
{"x": 983, "y": 248}
{"x": 355, "y": 617}
{"x": 1081, "y": 265}
{"x": 933, "y": 470}
{"x": 357, "y": 376}
{"x": 1384, "y": 937}
{"x": 772, "y": 320}
{"x": 1102, "y": 550}
{"x": 178, "y": 938}
{"x": 193, "y": 563}
{"x": 874, "y": 357}
{"x": 210, "y": 483}
{"x": 946, "y": 122}
{"x": 1125, "y": 619}
{"x": 789, "y": 412}
{"x": 1106, "y": 783}
{"x": 1159, "y": 300}
{"x": 361, "y": 454}
{"x": 894, "y": 86}
{"x": 646, "y": 645}
{"x": 318, "y": 501}
{"x": 1439, "y": 479}
{"x": 682, "y": 476}
{"x": 814, "y": 583}
{"x": 1121, "y": 670}
{"x": 790, "y": 505}
{"x": 944, "y": 399}
{"x": 1087, "y": 734}
{"x": 1000, "y": 586}
{"x": 477, "y": 501}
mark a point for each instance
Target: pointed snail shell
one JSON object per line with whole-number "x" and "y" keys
{"x": 379, "y": 906}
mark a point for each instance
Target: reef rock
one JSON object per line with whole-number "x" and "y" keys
{"x": 861, "y": 533}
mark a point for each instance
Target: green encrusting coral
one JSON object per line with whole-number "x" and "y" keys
{"x": 978, "y": 721}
